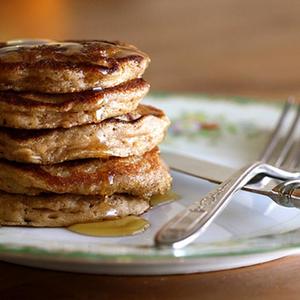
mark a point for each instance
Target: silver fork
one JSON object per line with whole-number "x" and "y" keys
{"x": 186, "y": 226}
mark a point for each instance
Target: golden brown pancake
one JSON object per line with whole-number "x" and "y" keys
{"x": 50, "y": 210}
{"x": 69, "y": 66}
{"x": 36, "y": 110}
{"x": 142, "y": 176}
{"x": 132, "y": 134}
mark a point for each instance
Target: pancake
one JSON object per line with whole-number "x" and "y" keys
{"x": 70, "y": 66}
{"x": 50, "y": 210}
{"x": 37, "y": 110}
{"x": 131, "y": 134}
{"x": 142, "y": 176}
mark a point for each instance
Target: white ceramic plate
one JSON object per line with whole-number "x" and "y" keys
{"x": 251, "y": 230}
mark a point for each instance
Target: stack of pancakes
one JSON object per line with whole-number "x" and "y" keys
{"x": 75, "y": 144}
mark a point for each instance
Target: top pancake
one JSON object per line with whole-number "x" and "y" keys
{"x": 70, "y": 66}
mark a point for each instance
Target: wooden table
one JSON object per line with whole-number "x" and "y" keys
{"x": 233, "y": 47}
{"x": 274, "y": 280}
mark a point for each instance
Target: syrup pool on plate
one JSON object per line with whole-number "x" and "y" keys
{"x": 125, "y": 226}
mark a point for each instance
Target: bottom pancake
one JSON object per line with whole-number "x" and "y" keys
{"x": 51, "y": 210}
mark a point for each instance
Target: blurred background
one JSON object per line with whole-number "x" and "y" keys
{"x": 227, "y": 47}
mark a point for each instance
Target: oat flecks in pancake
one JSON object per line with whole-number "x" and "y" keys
{"x": 68, "y": 66}
{"x": 39, "y": 111}
{"x": 50, "y": 210}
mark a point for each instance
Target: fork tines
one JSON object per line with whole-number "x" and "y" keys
{"x": 284, "y": 147}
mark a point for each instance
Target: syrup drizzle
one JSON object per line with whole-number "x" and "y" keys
{"x": 158, "y": 200}
{"x": 69, "y": 49}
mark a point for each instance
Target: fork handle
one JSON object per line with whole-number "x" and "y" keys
{"x": 186, "y": 226}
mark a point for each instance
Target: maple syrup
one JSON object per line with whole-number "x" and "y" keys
{"x": 67, "y": 49}
{"x": 158, "y": 200}
{"x": 125, "y": 226}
